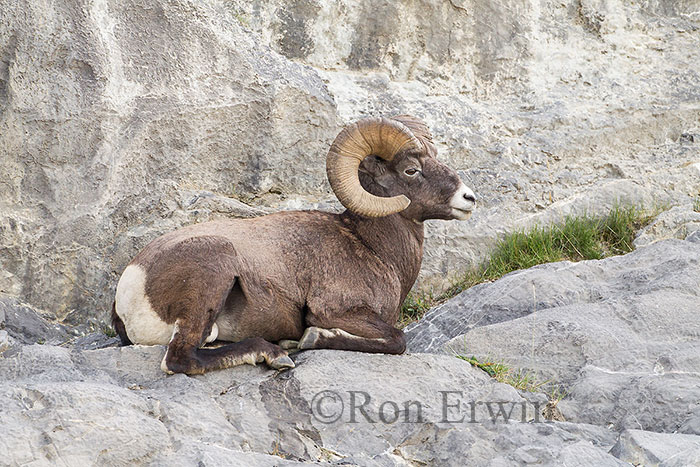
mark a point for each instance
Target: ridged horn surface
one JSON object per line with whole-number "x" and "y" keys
{"x": 382, "y": 137}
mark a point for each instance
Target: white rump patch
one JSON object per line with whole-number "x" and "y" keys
{"x": 142, "y": 323}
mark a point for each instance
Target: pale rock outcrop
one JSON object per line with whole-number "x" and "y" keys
{"x": 115, "y": 406}
{"x": 618, "y": 336}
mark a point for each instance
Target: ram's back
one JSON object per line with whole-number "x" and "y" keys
{"x": 254, "y": 274}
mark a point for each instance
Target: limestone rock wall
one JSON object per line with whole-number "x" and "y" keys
{"x": 122, "y": 120}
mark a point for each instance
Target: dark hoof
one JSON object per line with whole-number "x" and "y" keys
{"x": 281, "y": 363}
{"x": 310, "y": 337}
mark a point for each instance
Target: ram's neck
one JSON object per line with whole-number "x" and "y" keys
{"x": 397, "y": 241}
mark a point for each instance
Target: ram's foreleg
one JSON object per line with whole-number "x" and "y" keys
{"x": 358, "y": 330}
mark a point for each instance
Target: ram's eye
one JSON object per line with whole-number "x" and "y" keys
{"x": 410, "y": 172}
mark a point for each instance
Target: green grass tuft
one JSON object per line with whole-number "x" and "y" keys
{"x": 414, "y": 307}
{"x": 525, "y": 381}
{"x": 696, "y": 204}
{"x": 619, "y": 228}
{"x": 556, "y": 394}
{"x": 577, "y": 238}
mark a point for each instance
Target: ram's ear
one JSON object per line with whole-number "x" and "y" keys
{"x": 374, "y": 166}
{"x": 377, "y": 169}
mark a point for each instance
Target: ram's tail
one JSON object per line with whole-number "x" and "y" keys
{"x": 118, "y": 326}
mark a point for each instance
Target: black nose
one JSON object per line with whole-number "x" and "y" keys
{"x": 469, "y": 197}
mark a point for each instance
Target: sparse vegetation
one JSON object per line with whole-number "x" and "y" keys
{"x": 415, "y": 306}
{"x": 578, "y": 238}
{"x": 523, "y": 381}
{"x": 276, "y": 451}
{"x": 696, "y": 204}
{"x": 109, "y": 331}
{"x": 519, "y": 379}
{"x": 243, "y": 19}
{"x": 556, "y": 394}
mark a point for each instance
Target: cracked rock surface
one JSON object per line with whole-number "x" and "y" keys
{"x": 620, "y": 336}
{"x": 114, "y": 406}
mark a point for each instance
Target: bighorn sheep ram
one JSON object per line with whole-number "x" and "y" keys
{"x": 298, "y": 280}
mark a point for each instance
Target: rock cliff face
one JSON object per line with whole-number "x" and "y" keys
{"x": 120, "y": 120}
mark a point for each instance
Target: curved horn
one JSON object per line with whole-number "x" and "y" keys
{"x": 377, "y": 136}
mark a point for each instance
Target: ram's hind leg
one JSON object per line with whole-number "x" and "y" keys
{"x": 184, "y": 354}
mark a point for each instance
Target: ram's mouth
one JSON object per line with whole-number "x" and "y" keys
{"x": 461, "y": 214}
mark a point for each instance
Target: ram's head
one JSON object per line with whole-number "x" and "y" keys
{"x": 383, "y": 166}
